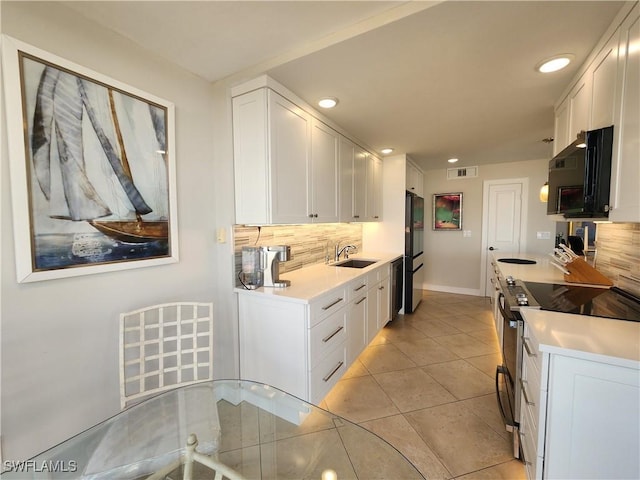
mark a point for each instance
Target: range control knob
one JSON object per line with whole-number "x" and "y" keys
{"x": 522, "y": 299}
{"x": 510, "y": 280}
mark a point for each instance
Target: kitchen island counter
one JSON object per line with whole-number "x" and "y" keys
{"x": 597, "y": 339}
{"x": 542, "y": 271}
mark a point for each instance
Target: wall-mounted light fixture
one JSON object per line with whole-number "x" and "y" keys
{"x": 544, "y": 192}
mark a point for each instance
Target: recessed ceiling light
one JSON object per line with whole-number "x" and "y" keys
{"x": 554, "y": 64}
{"x": 328, "y": 102}
{"x": 452, "y": 160}
{"x": 386, "y": 151}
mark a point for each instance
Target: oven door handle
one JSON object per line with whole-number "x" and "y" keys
{"x": 503, "y": 311}
{"x": 509, "y": 424}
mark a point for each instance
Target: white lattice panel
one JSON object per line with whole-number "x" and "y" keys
{"x": 164, "y": 346}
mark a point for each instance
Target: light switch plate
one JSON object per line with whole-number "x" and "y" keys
{"x": 466, "y": 233}
{"x": 543, "y": 235}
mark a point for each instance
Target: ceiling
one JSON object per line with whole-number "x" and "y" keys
{"x": 433, "y": 80}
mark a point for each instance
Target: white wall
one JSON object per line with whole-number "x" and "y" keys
{"x": 59, "y": 338}
{"x": 453, "y": 262}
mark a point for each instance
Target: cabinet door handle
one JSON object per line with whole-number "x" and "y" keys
{"x": 381, "y": 287}
{"x": 528, "y": 348}
{"x": 361, "y": 300}
{"x": 332, "y": 304}
{"x": 331, "y": 335}
{"x": 524, "y": 393}
{"x": 333, "y": 372}
{"x": 360, "y": 287}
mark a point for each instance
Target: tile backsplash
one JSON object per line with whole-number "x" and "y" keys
{"x": 310, "y": 244}
{"x": 618, "y": 254}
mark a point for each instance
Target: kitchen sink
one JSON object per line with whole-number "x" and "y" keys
{"x": 356, "y": 263}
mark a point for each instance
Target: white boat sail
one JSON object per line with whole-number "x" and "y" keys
{"x": 98, "y": 156}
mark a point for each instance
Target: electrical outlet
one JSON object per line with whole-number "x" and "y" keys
{"x": 466, "y": 233}
{"x": 543, "y": 235}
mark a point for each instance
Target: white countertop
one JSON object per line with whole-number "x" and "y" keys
{"x": 310, "y": 282}
{"x": 543, "y": 271}
{"x": 581, "y": 336}
{"x": 590, "y": 338}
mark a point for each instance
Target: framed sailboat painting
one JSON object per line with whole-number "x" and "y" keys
{"x": 92, "y": 168}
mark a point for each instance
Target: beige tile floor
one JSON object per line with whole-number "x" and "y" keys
{"x": 425, "y": 385}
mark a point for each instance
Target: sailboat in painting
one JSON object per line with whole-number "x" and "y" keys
{"x": 99, "y": 156}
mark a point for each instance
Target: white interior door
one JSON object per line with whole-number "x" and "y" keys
{"x": 503, "y": 225}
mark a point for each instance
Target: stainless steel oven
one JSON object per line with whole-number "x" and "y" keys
{"x": 512, "y": 297}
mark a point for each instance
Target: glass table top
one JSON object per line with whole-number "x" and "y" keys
{"x": 255, "y": 430}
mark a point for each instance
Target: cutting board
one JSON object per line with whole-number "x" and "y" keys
{"x": 581, "y": 272}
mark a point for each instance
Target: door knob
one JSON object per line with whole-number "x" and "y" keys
{"x": 492, "y": 249}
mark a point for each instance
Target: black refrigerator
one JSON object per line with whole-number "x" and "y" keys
{"x": 413, "y": 251}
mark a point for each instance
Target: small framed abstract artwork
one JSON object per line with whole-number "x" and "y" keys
{"x": 447, "y": 211}
{"x": 92, "y": 165}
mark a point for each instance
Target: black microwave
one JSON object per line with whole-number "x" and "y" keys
{"x": 580, "y": 176}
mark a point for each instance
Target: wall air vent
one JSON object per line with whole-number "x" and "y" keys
{"x": 463, "y": 172}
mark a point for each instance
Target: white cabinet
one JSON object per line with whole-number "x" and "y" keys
{"x": 533, "y": 404}
{"x": 608, "y": 93}
{"x": 379, "y": 311}
{"x": 561, "y": 130}
{"x": 603, "y": 79}
{"x": 324, "y": 173}
{"x": 353, "y": 182}
{"x": 290, "y": 167}
{"x": 414, "y": 180}
{"x": 593, "y": 420}
{"x": 579, "y": 417}
{"x": 305, "y": 348}
{"x": 625, "y": 174}
{"x": 373, "y": 189}
{"x": 297, "y": 347}
{"x": 357, "y": 326}
{"x": 573, "y": 115}
{"x": 271, "y": 139}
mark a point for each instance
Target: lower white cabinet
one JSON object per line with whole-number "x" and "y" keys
{"x": 580, "y": 418}
{"x": 304, "y": 348}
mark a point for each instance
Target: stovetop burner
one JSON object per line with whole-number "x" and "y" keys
{"x": 601, "y": 302}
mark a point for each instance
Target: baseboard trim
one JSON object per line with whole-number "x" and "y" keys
{"x": 448, "y": 289}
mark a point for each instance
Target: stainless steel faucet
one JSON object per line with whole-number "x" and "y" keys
{"x": 346, "y": 249}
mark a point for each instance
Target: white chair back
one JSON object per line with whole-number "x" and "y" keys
{"x": 163, "y": 347}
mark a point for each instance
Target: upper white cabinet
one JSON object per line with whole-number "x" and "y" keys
{"x": 324, "y": 173}
{"x": 625, "y": 173}
{"x": 374, "y": 189}
{"x": 607, "y": 93}
{"x": 291, "y": 167}
{"x": 271, "y": 139}
{"x": 603, "y": 79}
{"x": 353, "y": 182}
{"x": 415, "y": 180}
{"x": 561, "y": 130}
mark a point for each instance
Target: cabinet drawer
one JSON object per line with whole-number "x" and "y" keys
{"x": 531, "y": 388}
{"x": 529, "y": 440}
{"x": 327, "y": 373}
{"x": 327, "y": 334}
{"x": 326, "y": 304}
{"x": 530, "y": 347}
{"x": 357, "y": 287}
{"x": 379, "y": 274}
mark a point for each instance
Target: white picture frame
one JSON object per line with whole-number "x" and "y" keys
{"x": 92, "y": 168}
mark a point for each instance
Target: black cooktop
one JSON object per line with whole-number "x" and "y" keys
{"x": 600, "y": 302}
